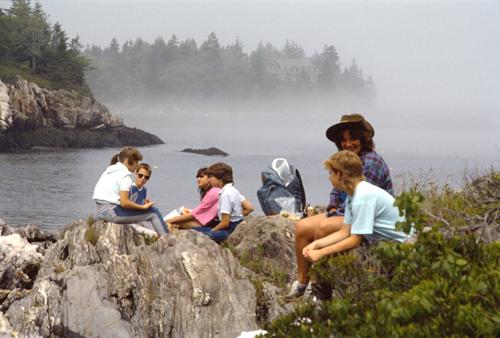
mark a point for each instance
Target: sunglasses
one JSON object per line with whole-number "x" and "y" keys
{"x": 143, "y": 176}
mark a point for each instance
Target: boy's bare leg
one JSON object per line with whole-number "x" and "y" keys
{"x": 306, "y": 231}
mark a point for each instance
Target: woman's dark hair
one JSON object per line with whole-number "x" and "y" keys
{"x": 202, "y": 172}
{"x": 357, "y": 134}
{"x": 130, "y": 153}
{"x": 221, "y": 171}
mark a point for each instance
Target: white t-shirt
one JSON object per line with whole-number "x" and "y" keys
{"x": 115, "y": 178}
{"x": 371, "y": 213}
{"x": 230, "y": 203}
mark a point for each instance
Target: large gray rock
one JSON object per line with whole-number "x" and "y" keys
{"x": 20, "y": 262}
{"x": 106, "y": 281}
{"x": 267, "y": 246}
{"x": 270, "y": 238}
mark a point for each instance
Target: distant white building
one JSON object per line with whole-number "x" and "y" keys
{"x": 291, "y": 70}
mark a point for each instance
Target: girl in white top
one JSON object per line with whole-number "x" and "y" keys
{"x": 111, "y": 194}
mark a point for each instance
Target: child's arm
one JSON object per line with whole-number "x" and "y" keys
{"x": 126, "y": 203}
{"x": 338, "y": 241}
{"x": 350, "y": 242}
{"x": 181, "y": 218}
{"x": 224, "y": 223}
{"x": 247, "y": 207}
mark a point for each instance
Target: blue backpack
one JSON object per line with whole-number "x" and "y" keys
{"x": 281, "y": 180}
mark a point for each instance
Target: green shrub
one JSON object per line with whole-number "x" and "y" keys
{"x": 150, "y": 239}
{"x": 259, "y": 262}
{"x": 91, "y": 235}
{"x": 90, "y": 220}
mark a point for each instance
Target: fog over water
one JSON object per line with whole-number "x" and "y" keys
{"x": 435, "y": 65}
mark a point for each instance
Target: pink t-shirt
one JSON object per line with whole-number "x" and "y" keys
{"x": 207, "y": 209}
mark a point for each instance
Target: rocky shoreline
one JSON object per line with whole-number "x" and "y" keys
{"x": 109, "y": 136}
{"x": 31, "y": 116}
{"x": 98, "y": 279}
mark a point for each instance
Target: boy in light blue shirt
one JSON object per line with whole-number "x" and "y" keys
{"x": 370, "y": 212}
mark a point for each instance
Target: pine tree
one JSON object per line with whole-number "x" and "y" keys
{"x": 113, "y": 49}
{"x": 291, "y": 50}
{"x": 328, "y": 67}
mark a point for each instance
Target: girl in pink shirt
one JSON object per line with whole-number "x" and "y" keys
{"x": 205, "y": 214}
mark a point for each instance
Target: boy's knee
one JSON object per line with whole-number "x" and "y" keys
{"x": 323, "y": 229}
{"x": 301, "y": 226}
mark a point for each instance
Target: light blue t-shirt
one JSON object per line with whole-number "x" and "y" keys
{"x": 230, "y": 203}
{"x": 371, "y": 212}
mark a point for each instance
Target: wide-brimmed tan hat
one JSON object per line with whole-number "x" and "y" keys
{"x": 348, "y": 122}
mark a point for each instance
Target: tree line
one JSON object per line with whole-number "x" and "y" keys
{"x": 33, "y": 48}
{"x": 182, "y": 68}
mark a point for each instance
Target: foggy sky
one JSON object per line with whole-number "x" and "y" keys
{"x": 436, "y": 62}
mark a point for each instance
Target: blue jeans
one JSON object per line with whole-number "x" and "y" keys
{"x": 116, "y": 214}
{"x": 220, "y": 235}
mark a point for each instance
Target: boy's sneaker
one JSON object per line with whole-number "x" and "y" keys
{"x": 296, "y": 290}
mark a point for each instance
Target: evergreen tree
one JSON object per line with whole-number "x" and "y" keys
{"x": 291, "y": 50}
{"x": 261, "y": 61}
{"x": 113, "y": 49}
{"x": 210, "y": 73}
{"x": 31, "y": 46}
{"x": 236, "y": 71}
{"x": 328, "y": 67}
{"x": 352, "y": 77}
{"x": 210, "y": 49}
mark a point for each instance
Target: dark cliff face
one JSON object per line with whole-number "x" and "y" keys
{"x": 32, "y": 116}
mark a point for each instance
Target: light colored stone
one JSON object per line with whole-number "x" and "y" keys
{"x": 6, "y": 331}
{"x": 183, "y": 285}
{"x": 28, "y": 104}
{"x": 5, "y": 112}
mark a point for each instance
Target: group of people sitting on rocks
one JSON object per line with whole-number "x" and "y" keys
{"x": 122, "y": 198}
{"x": 361, "y": 204}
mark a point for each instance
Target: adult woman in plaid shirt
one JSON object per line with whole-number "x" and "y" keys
{"x": 352, "y": 133}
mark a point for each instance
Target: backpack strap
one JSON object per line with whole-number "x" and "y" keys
{"x": 302, "y": 190}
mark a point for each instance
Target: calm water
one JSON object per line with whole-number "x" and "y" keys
{"x": 52, "y": 188}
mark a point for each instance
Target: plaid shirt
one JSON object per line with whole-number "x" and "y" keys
{"x": 375, "y": 171}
